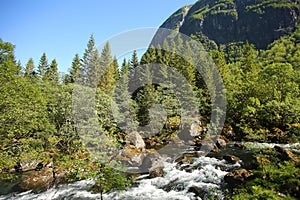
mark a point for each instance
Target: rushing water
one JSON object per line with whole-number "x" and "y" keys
{"x": 205, "y": 175}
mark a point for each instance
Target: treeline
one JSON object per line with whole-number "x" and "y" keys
{"x": 37, "y": 119}
{"x": 262, "y": 86}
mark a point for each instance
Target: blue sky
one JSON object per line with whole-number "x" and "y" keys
{"x": 61, "y": 28}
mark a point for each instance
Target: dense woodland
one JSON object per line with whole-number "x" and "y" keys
{"x": 37, "y": 122}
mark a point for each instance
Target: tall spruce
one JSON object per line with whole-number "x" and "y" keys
{"x": 76, "y": 70}
{"x": 87, "y": 69}
{"x": 108, "y": 70}
{"x": 29, "y": 69}
{"x": 43, "y": 65}
{"x": 52, "y": 73}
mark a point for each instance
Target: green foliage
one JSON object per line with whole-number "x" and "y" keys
{"x": 43, "y": 66}
{"x": 213, "y": 8}
{"x": 273, "y": 179}
{"x": 29, "y": 70}
{"x": 109, "y": 179}
{"x": 37, "y": 117}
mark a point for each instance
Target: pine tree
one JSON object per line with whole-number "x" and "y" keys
{"x": 134, "y": 60}
{"x": 29, "y": 70}
{"x": 52, "y": 73}
{"x": 108, "y": 70}
{"x": 93, "y": 70}
{"x": 75, "y": 71}
{"x": 43, "y": 66}
{"x": 115, "y": 66}
{"x": 125, "y": 115}
{"x": 87, "y": 60}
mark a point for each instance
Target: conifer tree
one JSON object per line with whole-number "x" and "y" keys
{"x": 125, "y": 109}
{"x": 115, "y": 68}
{"x": 93, "y": 70}
{"x": 134, "y": 60}
{"x": 43, "y": 66}
{"x": 52, "y": 73}
{"x": 87, "y": 60}
{"x": 29, "y": 70}
{"x": 108, "y": 70}
{"x": 75, "y": 71}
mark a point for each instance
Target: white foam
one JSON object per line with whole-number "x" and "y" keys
{"x": 206, "y": 174}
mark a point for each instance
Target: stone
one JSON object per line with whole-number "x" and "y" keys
{"x": 37, "y": 181}
{"x": 130, "y": 155}
{"x": 184, "y": 160}
{"x": 198, "y": 191}
{"x": 153, "y": 164}
{"x": 236, "y": 177}
{"x": 150, "y": 159}
{"x": 195, "y": 130}
{"x": 136, "y": 139}
{"x": 206, "y": 145}
{"x": 157, "y": 169}
{"x": 221, "y": 143}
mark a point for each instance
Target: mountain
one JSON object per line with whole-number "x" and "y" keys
{"x": 216, "y": 22}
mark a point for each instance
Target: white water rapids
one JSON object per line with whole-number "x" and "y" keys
{"x": 206, "y": 174}
{"x": 180, "y": 182}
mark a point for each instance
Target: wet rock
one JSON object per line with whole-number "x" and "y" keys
{"x": 206, "y": 145}
{"x": 231, "y": 158}
{"x": 177, "y": 141}
{"x": 150, "y": 162}
{"x": 173, "y": 185}
{"x": 157, "y": 169}
{"x": 198, "y": 191}
{"x": 136, "y": 139}
{"x": 236, "y": 177}
{"x": 132, "y": 156}
{"x": 184, "y": 160}
{"x": 37, "y": 181}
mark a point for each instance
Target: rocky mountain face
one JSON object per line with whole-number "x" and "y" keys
{"x": 224, "y": 21}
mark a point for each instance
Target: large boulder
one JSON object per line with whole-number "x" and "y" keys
{"x": 157, "y": 169}
{"x": 153, "y": 164}
{"x": 135, "y": 139}
{"x": 206, "y": 145}
{"x": 132, "y": 156}
{"x": 37, "y": 181}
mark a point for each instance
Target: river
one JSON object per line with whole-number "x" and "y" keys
{"x": 181, "y": 182}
